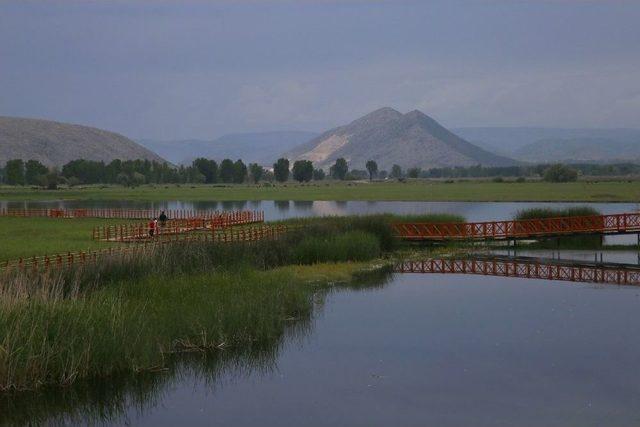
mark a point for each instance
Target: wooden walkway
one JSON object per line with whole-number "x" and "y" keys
{"x": 140, "y": 231}
{"x": 520, "y": 229}
{"x": 64, "y": 260}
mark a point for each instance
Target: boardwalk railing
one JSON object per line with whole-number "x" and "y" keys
{"x": 132, "y": 232}
{"x": 518, "y": 229}
{"x": 115, "y": 213}
{"x": 528, "y": 268}
{"x": 227, "y": 235}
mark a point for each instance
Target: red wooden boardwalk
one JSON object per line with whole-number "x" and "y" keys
{"x": 520, "y": 229}
{"x": 528, "y": 268}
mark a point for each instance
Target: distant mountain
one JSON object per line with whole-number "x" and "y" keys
{"x": 260, "y": 147}
{"x": 580, "y": 150}
{"x": 55, "y": 143}
{"x": 390, "y": 137}
{"x": 554, "y": 144}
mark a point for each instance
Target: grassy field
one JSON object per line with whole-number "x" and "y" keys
{"x": 581, "y": 191}
{"x": 24, "y": 237}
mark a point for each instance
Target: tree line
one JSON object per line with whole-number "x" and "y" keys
{"x": 137, "y": 172}
{"x": 208, "y": 171}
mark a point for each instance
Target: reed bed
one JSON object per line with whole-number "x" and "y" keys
{"x": 536, "y": 213}
{"x": 568, "y": 242}
{"x": 127, "y": 313}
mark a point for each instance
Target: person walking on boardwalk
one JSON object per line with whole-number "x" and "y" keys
{"x": 163, "y": 219}
{"x": 152, "y": 227}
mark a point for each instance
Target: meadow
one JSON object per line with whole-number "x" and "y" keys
{"x": 25, "y": 237}
{"x": 412, "y": 190}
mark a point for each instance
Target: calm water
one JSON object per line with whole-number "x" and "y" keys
{"x": 445, "y": 350}
{"x": 274, "y": 210}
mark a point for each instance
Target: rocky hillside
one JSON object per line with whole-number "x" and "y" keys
{"x": 390, "y": 137}
{"x": 55, "y": 144}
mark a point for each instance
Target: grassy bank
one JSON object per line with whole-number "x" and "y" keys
{"x": 126, "y": 314}
{"x": 131, "y": 326}
{"x": 621, "y": 191}
{"x": 26, "y": 237}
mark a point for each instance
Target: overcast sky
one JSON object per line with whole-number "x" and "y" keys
{"x": 200, "y": 69}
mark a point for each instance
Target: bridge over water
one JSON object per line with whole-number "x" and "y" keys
{"x": 624, "y": 223}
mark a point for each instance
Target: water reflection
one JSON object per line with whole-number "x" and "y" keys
{"x": 126, "y": 399}
{"x": 116, "y": 399}
{"x": 527, "y": 268}
{"x": 276, "y": 210}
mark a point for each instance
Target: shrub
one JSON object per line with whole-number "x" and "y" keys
{"x": 560, "y": 173}
{"x": 351, "y": 246}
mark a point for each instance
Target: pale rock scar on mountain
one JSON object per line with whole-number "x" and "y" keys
{"x": 390, "y": 137}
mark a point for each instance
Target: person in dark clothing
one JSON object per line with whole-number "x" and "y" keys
{"x": 163, "y": 219}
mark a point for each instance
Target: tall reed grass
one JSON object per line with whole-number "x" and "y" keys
{"x": 536, "y": 213}
{"x": 125, "y": 314}
{"x": 568, "y": 242}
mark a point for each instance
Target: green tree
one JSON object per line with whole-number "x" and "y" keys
{"x": 281, "y": 170}
{"x": 53, "y": 179}
{"x": 560, "y": 173}
{"x": 256, "y": 172}
{"x": 227, "y": 171}
{"x": 302, "y": 170}
{"x": 339, "y": 169}
{"x": 318, "y": 175}
{"x": 414, "y": 172}
{"x": 14, "y": 172}
{"x": 239, "y": 172}
{"x": 372, "y": 168}
{"x": 396, "y": 171}
{"x": 208, "y": 168}
{"x": 33, "y": 170}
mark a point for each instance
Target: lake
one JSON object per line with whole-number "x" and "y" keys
{"x": 409, "y": 350}
{"x": 277, "y": 210}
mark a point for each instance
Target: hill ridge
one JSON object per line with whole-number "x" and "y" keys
{"x": 389, "y": 137}
{"x": 55, "y": 143}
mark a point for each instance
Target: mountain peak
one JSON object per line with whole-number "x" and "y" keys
{"x": 390, "y": 137}
{"x": 384, "y": 113}
{"x": 416, "y": 114}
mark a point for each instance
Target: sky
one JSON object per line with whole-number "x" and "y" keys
{"x": 184, "y": 69}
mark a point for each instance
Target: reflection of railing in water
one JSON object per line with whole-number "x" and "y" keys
{"x": 528, "y": 268}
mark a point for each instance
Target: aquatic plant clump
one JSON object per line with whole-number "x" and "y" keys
{"x": 536, "y": 213}
{"x": 565, "y": 242}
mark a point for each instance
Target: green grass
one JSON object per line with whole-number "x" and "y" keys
{"x": 131, "y": 326}
{"x": 25, "y": 237}
{"x": 602, "y": 191}
{"x": 569, "y": 242}
{"x": 536, "y": 213}
{"x": 124, "y": 314}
